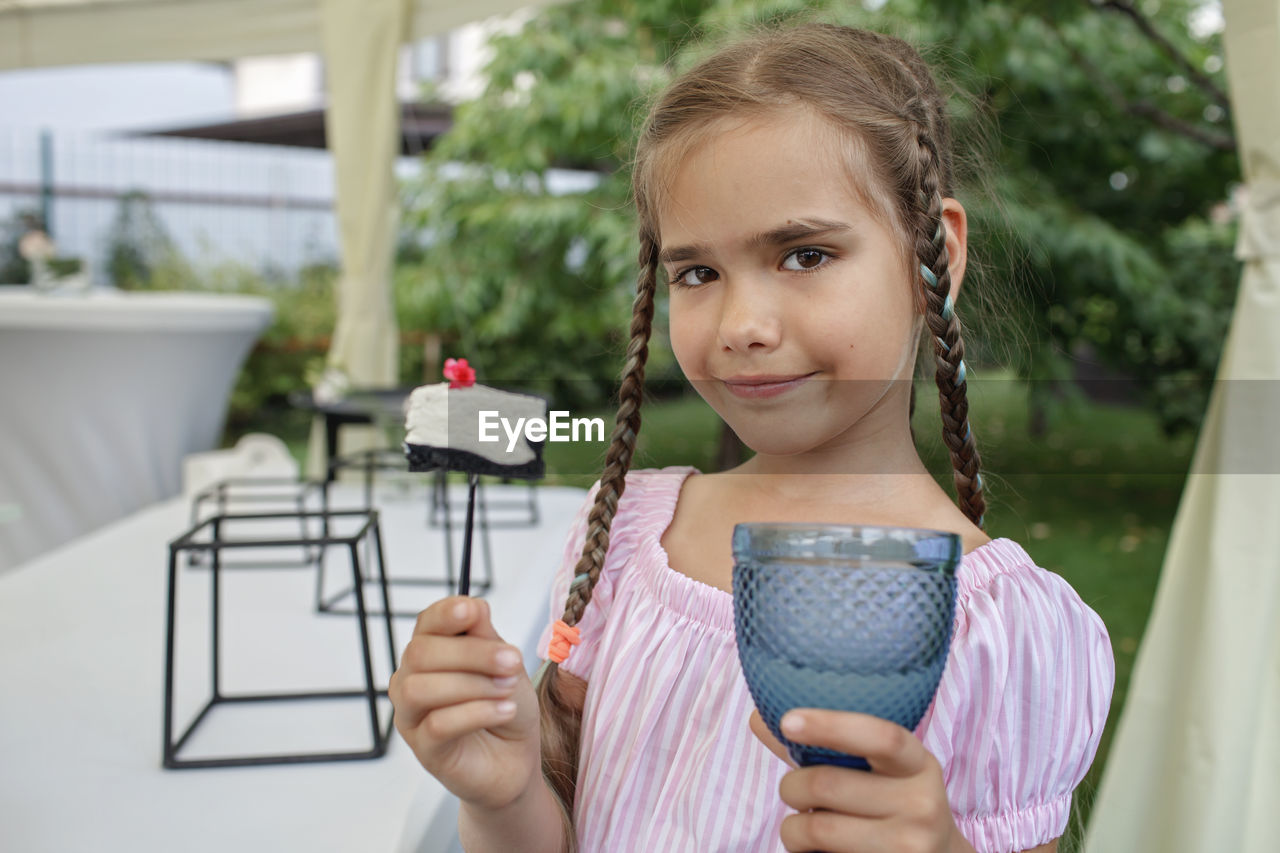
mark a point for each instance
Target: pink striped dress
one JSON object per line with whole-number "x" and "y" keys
{"x": 667, "y": 760}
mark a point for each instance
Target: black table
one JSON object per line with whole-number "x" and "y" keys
{"x": 360, "y": 406}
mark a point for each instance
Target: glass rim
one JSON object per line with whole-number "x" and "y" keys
{"x": 837, "y": 526}
{"x": 816, "y": 543}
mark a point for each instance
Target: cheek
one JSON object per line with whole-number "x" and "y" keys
{"x": 687, "y": 337}
{"x": 868, "y": 339}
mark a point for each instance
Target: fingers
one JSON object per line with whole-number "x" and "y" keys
{"x": 432, "y": 653}
{"x": 436, "y": 671}
{"x": 900, "y": 806}
{"x": 435, "y": 702}
{"x": 416, "y": 695}
{"x": 826, "y": 786}
{"x": 829, "y": 831}
{"x": 833, "y": 832}
{"x": 454, "y": 721}
{"x": 454, "y": 659}
{"x": 457, "y": 614}
{"x": 890, "y": 749}
{"x": 761, "y": 731}
{"x": 836, "y": 832}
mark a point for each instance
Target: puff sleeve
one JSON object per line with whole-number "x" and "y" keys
{"x": 1023, "y": 701}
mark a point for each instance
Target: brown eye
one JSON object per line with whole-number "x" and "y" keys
{"x": 695, "y": 276}
{"x": 805, "y": 259}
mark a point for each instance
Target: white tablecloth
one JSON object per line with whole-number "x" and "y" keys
{"x": 82, "y": 633}
{"x": 101, "y": 396}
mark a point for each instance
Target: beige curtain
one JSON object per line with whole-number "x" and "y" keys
{"x": 361, "y": 42}
{"x": 1195, "y": 764}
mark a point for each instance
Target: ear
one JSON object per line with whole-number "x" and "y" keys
{"x": 957, "y": 225}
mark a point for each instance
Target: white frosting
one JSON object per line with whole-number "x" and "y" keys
{"x": 437, "y": 416}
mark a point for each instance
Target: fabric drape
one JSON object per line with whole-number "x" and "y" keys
{"x": 1195, "y": 763}
{"x": 362, "y": 122}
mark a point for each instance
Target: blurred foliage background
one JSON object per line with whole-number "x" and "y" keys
{"x": 1100, "y": 161}
{"x": 1097, "y": 160}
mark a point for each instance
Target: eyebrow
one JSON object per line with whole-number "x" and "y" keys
{"x": 792, "y": 231}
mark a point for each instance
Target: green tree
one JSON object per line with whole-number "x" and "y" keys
{"x": 1115, "y": 164}
{"x": 1110, "y": 149}
{"x": 534, "y": 285}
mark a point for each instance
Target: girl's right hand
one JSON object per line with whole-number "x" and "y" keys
{"x": 465, "y": 705}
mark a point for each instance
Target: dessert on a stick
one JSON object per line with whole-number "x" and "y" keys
{"x": 461, "y": 426}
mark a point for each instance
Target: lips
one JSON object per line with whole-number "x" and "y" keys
{"x": 761, "y": 386}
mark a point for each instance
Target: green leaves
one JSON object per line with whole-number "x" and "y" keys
{"x": 1136, "y": 273}
{"x": 1104, "y": 127}
{"x": 530, "y": 281}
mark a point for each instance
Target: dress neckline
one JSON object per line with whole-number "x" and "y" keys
{"x": 713, "y": 606}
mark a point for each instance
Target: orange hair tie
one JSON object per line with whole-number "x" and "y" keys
{"x": 563, "y": 637}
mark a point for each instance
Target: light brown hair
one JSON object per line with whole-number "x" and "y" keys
{"x": 879, "y": 94}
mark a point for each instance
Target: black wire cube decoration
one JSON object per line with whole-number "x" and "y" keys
{"x": 250, "y": 619}
{"x": 263, "y": 494}
{"x": 335, "y": 599}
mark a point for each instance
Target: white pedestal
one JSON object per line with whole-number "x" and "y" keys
{"x": 101, "y": 396}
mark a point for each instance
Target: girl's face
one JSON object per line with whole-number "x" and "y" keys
{"x": 791, "y": 302}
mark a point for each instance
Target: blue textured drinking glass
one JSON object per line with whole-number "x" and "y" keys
{"x": 845, "y": 617}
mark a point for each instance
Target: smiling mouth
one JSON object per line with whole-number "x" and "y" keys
{"x": 757, "y": 387}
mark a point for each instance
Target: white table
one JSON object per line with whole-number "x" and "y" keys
{"x": 101, "y": 396}
{"x": 81, "y": 694}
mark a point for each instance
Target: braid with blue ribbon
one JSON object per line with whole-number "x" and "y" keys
{"x": 952, "y": 373}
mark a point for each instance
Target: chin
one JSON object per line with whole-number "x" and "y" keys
{"x": 776, "y": 440}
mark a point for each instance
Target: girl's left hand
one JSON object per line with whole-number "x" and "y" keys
{"x": 900, "y": 805}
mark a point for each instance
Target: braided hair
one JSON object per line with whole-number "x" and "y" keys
{"x": 561, "y": 722}
{"x": 880, "y": 94}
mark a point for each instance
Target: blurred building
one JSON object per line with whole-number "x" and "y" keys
{"x": 225, "y": 161}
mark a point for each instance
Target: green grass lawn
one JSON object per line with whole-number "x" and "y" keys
{"x": 1093, "y": 499}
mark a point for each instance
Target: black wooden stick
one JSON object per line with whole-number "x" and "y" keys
{"x": 464, "y": 578}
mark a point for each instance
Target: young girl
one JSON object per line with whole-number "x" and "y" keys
{"x": 794, "y": 192}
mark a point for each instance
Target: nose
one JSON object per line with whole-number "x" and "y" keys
{"x": 749, "y": 319}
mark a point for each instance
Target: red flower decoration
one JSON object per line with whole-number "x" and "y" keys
{"x": 459, "y": 373}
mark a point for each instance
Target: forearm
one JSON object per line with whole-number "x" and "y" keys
{"x": 533, "y": 823}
